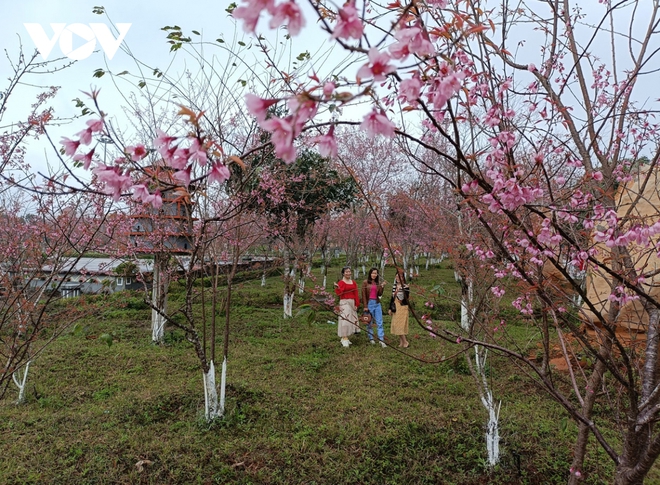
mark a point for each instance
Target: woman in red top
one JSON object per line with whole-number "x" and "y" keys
{"x": 349, "y": 301}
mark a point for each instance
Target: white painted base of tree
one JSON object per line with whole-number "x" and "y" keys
{"x": 301, "y": 286}
{"x": 480, "y": 356}
{"x": 288, "y": 305}
{"x": 211, "y": 408}
{"x": 223, "y": 386}
{"x": 263, "y": 279}
{"x": 492, "y": 428}
{"x": 20, "y": 379}
{"x": 325, "y": 280}
{"x": 157, "y": 327}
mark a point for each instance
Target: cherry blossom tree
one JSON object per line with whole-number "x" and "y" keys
{"x": 540, "y": 128}
{"x": 293, "y": 198}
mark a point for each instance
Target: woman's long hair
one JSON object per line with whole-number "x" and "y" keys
{"x": 369, "y": 280}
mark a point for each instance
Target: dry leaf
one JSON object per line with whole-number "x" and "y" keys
{"x": 140, "y": 465}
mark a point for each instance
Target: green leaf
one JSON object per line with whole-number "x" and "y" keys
{"x": 196, "y": 33}
{"x": 308, "y": 310}
{"x": 231, "y": 8}
{"x": 241, "y": 43}
{"x": 122, "y": 73}
{"x": 220, "y": 41}
{"x": 99, "y": 73}
{"x": 98, "y": 10}
{"x": 142, "y": 84}
{"x": 107, "y": 338}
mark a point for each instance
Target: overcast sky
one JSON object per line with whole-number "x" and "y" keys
{"x": 144, "y": 38}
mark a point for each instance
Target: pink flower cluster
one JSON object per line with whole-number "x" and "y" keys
{"x": 117, "y": 178}
{"x": 284, "y": 13}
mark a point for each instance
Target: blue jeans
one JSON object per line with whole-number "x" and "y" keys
{"x": 377, "y": 315}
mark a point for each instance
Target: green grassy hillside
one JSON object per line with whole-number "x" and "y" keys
{"x": 301, "y": 409}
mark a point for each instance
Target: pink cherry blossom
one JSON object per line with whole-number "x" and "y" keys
{"x": 196, "y": 153}
{"x": 282, "y": 138}
{"x": 411, "y": 41}
{"x": 140, "y": 192}
{"x": 326, "y": 143}
{"x": 183, "y": 176}
{"x": 287, "y": 13}
{"x": 70, "y": 146}
{"x": 85, "y": 136}
{"x": 349, "y": 24}
{"x": 251, "y": 11}
{"x": 328, "y": 89}
{"x": 219, "y": 172}
{"x": 115, "y": 180}
{"x": 95, "y": 126}
{"x": 376, "y": 123}
{"x": 409, "y": 90}
{"x": 258, "y": 107}
{"x": 163, "y": 139}
{"x": 137, "y": 152}
{"x": 86, "y": 158}
{"x": 155, "y": 199}
{"x": 378, "y": 66}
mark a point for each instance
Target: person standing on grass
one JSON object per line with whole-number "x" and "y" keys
{"x": 372, "y": 290}
{"x": 399, "y": 308}
{"x": 349, "y": 301}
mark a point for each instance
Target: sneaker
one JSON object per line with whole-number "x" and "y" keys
{"x": 383, "y": 344}
{"x": 372, "y": 342}
{"x": 346, "y": 343}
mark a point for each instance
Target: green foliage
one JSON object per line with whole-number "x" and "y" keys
{"x": 312, "y": 188}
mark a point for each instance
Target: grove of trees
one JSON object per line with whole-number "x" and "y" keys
{"x": 519, "y": 138}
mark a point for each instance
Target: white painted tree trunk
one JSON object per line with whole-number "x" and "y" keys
{"x": 211, "y": 408}
{"x": 288, "y": 305}
{"x": 492, "y": 428}
{"x": 427, "y": 263}
{"x": 325, "y": 280}
{"x": 301, "y": 286}
{"x": 223, "y": 386}
{"x": 263, "y": 279}
{"x": 364, "y": 271}
{"x": 20, "y": 379}
{"x": 158, "y": 300}
{"x": 382, "y": 265}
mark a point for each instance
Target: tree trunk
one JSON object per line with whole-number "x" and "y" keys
{"x": 223, "y": 386}
{"x": 159, "y": 298}
{"x": 580, "y": 450}
{"x": 211, "y": 408}
{"x": 20, "y": 379}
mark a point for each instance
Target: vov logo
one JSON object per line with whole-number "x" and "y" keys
{"x": 91, "y": 33}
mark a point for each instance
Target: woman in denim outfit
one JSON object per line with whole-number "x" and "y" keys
{"x": 372, "y": 290}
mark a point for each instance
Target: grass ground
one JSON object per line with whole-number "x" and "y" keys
{"x": 301, "y": 409}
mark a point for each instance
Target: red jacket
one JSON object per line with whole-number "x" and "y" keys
{"x": 348, "y": 291}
